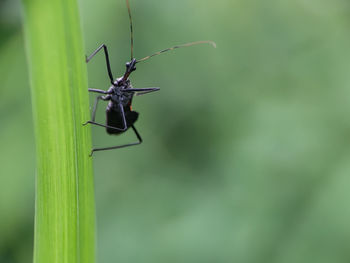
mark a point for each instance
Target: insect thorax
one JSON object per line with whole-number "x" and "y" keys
{"x": 118, "y": 96}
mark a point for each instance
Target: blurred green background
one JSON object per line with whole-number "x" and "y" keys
{"x": 246, "y": 147}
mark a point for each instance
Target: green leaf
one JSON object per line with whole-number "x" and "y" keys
{"x": 65, "y": 209}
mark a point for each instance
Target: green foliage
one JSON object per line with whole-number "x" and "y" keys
{"x": 64, "y": 219}
{"x": 245, "y": 154}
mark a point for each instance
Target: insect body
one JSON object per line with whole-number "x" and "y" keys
{"x": 119, "y": 114}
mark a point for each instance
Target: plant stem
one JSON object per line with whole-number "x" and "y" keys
{"x": 65, "y": 209}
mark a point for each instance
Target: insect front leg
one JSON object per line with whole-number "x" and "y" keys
{"x": 107, "y": 60}
{"x": 120, "y": 146}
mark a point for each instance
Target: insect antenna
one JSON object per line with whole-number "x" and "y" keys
{"x": 178, "y": 46}
{"x": 131, "y": 32}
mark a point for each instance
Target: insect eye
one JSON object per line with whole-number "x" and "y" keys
{"x": 130, "y": 66}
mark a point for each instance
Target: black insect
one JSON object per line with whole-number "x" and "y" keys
{"x": 119, "y": 114}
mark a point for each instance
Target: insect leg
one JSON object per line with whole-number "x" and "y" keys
{"x": 139, "y": 93}
{"x": 98, "y": 91}
{"x": 142, "y": 91}
{"x": 106, "y": 126}
{"x": 95, "y": 107}
{"x": 107, "y": 60}
{"x": 120, "y": 146}
{"x": 123, "y": 115}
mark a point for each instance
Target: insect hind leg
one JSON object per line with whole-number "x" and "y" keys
{"x": 107, "y": 126}
{"x": 105, "y": 98}
{"x": 120, "y": 146}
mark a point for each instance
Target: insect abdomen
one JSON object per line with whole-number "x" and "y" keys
{"x": 115, "y": 119}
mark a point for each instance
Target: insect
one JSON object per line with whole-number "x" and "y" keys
{"x": 119, "y": 114}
